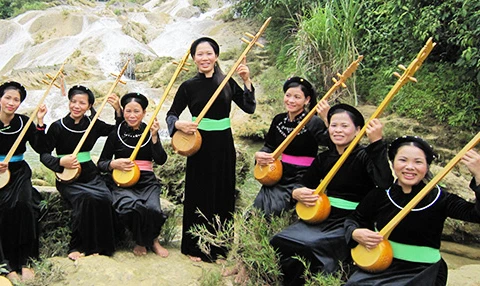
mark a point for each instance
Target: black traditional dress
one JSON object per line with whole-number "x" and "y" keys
{"x": 416, "y": 239}
{"x": 19, "y": 201}
{"x": 93, "y": 227}
{"x": 210, "y": 174}
{"x": 296, "y": 159}
{"x": 323, "y": 244}
{"x": 138, "y": 206}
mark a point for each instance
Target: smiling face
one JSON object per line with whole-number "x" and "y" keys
{"x": 10, "y": 101}
{"x": 205, "y": 58}
{"x": 78, "y": 105}
{"x": 295, "y": 100}
{"x": 133, "y": 114}
{"x": 342, "y": 130}
{"x": 410, "y": 166}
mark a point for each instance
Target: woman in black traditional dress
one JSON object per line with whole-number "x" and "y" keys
{"x": 416, "y": 239}
{"x": 300, "y": 153}
{"x": 323, "y": 245}
{"x": 138, "y": 206}
{"x": 91, "y": 201}
{"x": 18, "y": 199}
{"x": 210, "y": 174}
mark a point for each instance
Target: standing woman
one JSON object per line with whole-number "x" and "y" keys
{"x": 92, "y": 215}
{"x": 210, "y": 174}
{"x": 323, "y": 245}
{"x": 138, "y": 206}
{"x": 416, "y": 239}
{"x": 18, "y": 199}
{"x": 299, "y": 97}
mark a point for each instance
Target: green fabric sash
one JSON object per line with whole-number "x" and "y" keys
{"x": 342, "y": 204}
{"x": 82, "y": 157}
{"x": 414, "y": 253}
{"x": 208, "y": 124}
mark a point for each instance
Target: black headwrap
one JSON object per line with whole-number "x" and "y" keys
{"x": 14, "y": 85}
{"x": 80, "y": 89}
{"x": 134, "y": 96}
{"x": 354, "y": 114}
{"x": 411, "y": 140}
{"x": 215, "y": 46}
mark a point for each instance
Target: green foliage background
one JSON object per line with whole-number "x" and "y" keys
{"x": 317, "y": 39}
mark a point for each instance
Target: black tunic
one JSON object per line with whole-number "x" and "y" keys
{"x": 272, "y": 200}
{"x": 422, "y": 226}
{"x": 138, "y": 206}
{"x": 93, "y": 228}
{"x": 210, "y": 174}
{"x": 323, "y": 244}
{"x": 19, "y": 201}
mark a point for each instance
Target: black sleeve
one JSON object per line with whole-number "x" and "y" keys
{"x": 158, "y": 153}
{"x": 362, "y": 217}
{"x": 179, "y": 104}
{"x": 459, "y": 208}
{"x": 36, "y": 137}
{"x": 270, "y": 142}
{"x": 244, "y": 98}
{"x": 377, "y": 165}
{"x": 51, "y": 162}
{"x": 319, "y": 130}
{"x": 107, "y": 153}
{"x": 314, "y": 174}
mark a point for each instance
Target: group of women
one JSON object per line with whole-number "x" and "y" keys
{"x": 363, "y": 194}
{"x": 100, "y": 208}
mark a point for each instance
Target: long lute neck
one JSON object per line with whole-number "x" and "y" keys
{"x": 94, "y": 119}
{"x": 232, "y": 70}
{"x": 348, "y": 72}
{"x": 180, "y": 67}
{"x": 15, "y": 145}
{"x": 407, "y": 76}
{"x": 388, "y": 228}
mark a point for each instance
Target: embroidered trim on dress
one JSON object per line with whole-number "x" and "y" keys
{"x": 415, "y": 210}
{"x": 75, "y": 131}
{"x": 13, "y": 132}
{"x": 124, "y": 143}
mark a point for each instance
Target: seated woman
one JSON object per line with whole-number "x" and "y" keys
{"x": 138, "y": 206}
{"x": 416, "y": 239}
{"x": 19, "y": 201}
{"x": 92, "y": 226}
{"x": 299, "y": 97}
{"x": 323, "y": 245}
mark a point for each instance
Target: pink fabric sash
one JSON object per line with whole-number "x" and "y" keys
{"x": 297, "y": 160}
{"x": 144, "y": 165}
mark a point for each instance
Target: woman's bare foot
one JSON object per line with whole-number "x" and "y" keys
{"x": 139, "y": 250}
{"x": 194, "y": 258}
{"x": 75, "y": 255}
{"x": 27, "y": 274}
{"x": 158, "y": 249}
{"x": 13, "y": 277}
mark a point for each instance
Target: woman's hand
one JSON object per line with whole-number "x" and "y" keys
{"x": 322, "y": 110}
{"x": 114, "y": 101}
{"x": 305, "y": 196}
{"x": 69, "y": 162}
{"x": 186, "y": 126}
{"x": 3, "y": 167}
{"x": 154, "y": 130}
{"x": 244, "y": 72}
{"x": 122, "y": 164}
{"x": 366, "y": 237}
{"x": 42, "y": 110}
{"x": 264, "y": 158}
{"x": 471, "y": 159}
{"x": 374, "y": 130}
